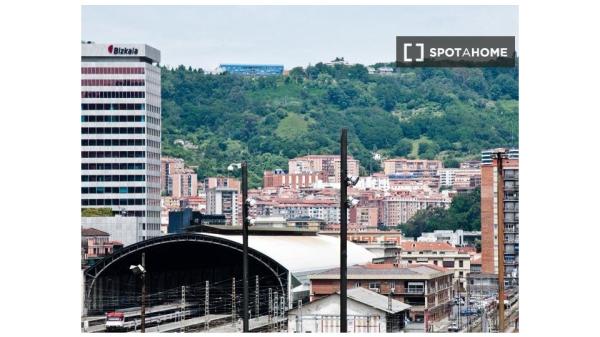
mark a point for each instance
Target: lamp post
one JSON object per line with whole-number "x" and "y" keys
{"x": 345, "y": 203}
{"x": 140, "y": 270}
{"x": 245, "y": 222}
{"x": 343, "y": 230}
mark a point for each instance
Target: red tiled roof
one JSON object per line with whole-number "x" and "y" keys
{"x": 93, "y": 232}
{"x": 466, "y": 249}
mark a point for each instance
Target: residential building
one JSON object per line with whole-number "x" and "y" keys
{"x": 500, "y": 209}
{"x": 455, "y": 238}
{"x": 278, "y": 178}
{"x": 329, "y": 165}
{"x": 306, "y": 223}
{"x": 439, "y": 254}
{"x": 364, "y": 216}
{"x": 226, "y": 201}
{"x": 482, "y": 284}
{"x": 369, "y": 236}
{"x": 327, "y": 210}
{"x": 399, "y": 208}
{"x": 183, "y": 184}
{"x": 96, "y": 244}
{"x": 169, "y": 166}
{"x": 212, "y": 182}
{"x": 367, "y": 311}
{"x": 403, "y": 166}
{"x": 376, "y": 181}
{"x": 120, "y": 132}
{"x": 427, "y": 288}
{"x": 385, "y": 252}
{"x": 177, "y": 180}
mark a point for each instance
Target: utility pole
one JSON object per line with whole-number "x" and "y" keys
{"x": 143, "y": 311}
{"x": 182, "y": 308}
{"x": 206, "y": 305}
{"x": 270, "y": 304}
{"x": 256, "y": 299}
{"x": 500, "y": 188}
{"x": 276, "y": 309}
{"x": 233, "y": 312}
{"x": 246, "y": 327}
{"x": 300, "y": 314}
{"x": 343, "y": 230}
{"x": 282, "y": 311}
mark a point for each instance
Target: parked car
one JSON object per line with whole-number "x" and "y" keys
{"x": 453, "y": 327}
{"x": 468, "y": 311}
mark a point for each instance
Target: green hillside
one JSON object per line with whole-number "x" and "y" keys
{"x": 445, "y": 113}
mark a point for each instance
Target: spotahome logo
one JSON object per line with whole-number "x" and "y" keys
{"x": 455, "y": 51}
{"x": 122, "y": 51}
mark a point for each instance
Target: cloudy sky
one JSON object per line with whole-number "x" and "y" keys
{"x": 205, "y": 36}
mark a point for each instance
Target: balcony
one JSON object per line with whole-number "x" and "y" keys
{"x": 413, "y": 291}
{"x": 511, "y": 228}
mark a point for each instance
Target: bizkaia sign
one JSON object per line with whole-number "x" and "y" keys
{"x": 455, "y": 51}
{"x": 122, "y": 50}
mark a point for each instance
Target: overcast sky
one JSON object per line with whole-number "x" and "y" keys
{"x": 205, "y": 36}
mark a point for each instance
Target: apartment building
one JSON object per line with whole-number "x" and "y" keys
{"x": 328, "y": 164}
{"x": 500, "y": 209}
{"x": 439, "y": 254}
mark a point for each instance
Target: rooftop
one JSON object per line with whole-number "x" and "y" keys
{"x": 426, "y": 246}
{"x": 386, "y": 271}
{"x": 376, "y": 300}
{"x": 93, "y": 232}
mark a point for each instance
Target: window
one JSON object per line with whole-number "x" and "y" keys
{"x": 448, "y": 264}
{"x": 358, "y": 284}
{"x": 374, "y": 285}
{"x": 460, "y": 263}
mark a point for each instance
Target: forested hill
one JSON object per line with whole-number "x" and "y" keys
{"x": 445, "y": 113}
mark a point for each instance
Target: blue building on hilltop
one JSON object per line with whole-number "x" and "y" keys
{"x": 253, "y": 69}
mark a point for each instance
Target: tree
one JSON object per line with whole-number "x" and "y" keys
{"x": 464, "y": 213}
{"x": 96, "y": 212}
{"x": 402, "y": 148}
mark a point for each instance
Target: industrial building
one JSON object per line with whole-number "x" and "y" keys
{"x": 281, "y": 260}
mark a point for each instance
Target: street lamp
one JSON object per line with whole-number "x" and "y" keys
{"x": 352, "y": 202}
{"x": 343, "y": 230}
{"x": 245, "y": 223}
{"x": 140, "y": 271}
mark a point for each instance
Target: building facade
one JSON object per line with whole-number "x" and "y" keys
{"x": 500, "y": 207}
{"x": 403, "y": 165}
{"x": 278, "y": 178}
{"x": 439, "y": 254}
{"x": 329, "y": 165}
{"x": 169, "y": 166}
{"x": 225, "y": 201}
{"x": 399, "y": 209}
{"x": 120, "y": 132}
{"x": 367, "y": 311}
{"x": 427, "y": 288}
